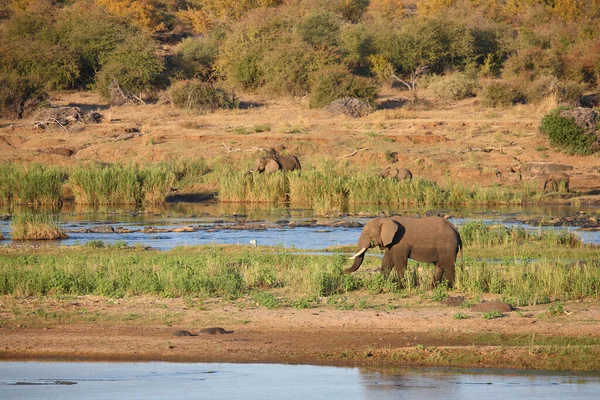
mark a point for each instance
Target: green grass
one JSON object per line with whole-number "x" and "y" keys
{"x": 231, "y": 272}
{"x": 32, "y": 184}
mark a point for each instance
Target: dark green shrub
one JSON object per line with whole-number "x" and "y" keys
{"x": 194, "y": 58}
{"x": 499, "y": 94}
{"x": 202, "y": 96}
{"x": 320, "y": 29}
{"x": 335, "y": 83}
{"x": 134, "y": 65}
{"x": 565, "y": 134}
{"x": 20, "y": 96}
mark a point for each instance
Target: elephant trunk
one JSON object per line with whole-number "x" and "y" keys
{"x": 358, "y": 259}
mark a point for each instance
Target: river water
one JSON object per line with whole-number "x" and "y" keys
{"x": 203, "y": 218}
{"x": 85, "y": 380}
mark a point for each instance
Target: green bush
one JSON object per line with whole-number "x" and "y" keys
{"x": 565, "y": 134}
{"x": 456, "y": 86}
{"x": 134, "y": 65}
{"x": 200, "y": 96}
{"x": 20, "y": 96}
{"x": 320, "y": 29}
{"x": 500, "y": 94}
{"x": 194, "y": 58}
{"x": 335, "y": 83}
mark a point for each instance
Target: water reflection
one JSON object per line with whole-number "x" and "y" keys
{"x": 39, "y": 380}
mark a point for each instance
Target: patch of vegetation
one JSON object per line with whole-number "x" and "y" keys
{"x": 565, "y": 134}
{"x": 499, "y": 94}
{"x": 492, "y": 315}
{"x": 335, "y": 83}
{"x": 32, "y": 184}
{"x": 197, "y": 95}
{"x": 35, "y": 226}
{"x": 20, "y": 96}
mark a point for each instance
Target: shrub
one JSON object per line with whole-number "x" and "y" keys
{"x": 20, "y": 96}
{"x": 335, "y": 83}
{"x": 134, "y": 64}
{"x": 456, "y": 86}
{"x": 320, "y": 29}
{"x": 194, "y": 58}
{"x": 564, "y": 133}
{"x": 569, "y": 93}
{"x": 202, "y": 96}
{"x": 499, "y": 94}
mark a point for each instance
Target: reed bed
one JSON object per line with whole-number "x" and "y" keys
{"x": 32, "y": 184}
{"x": 121, "y": 184}
{"x": 35, "y": 226}
{"x": 330, "y": 187}
{"x": 230, "y": 272}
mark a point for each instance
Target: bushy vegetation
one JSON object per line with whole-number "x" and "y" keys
{"x": 20, "y": 96}
{"x": 282, "y": 48}
{"x": 564, "y": 133}
{"x": 200, "y": 96}
{"x": 499, "y": 94}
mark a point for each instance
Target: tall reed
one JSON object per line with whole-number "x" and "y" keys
{"x": 121, "y": 184}
{"x": 32, "y": 184}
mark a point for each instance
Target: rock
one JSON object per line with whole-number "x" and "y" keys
{"x": 488, "y": 306}
{"x": 183, "y": 229}
{"x": 182, "y": 333}
{"x": 453, "y": 301}
{"x": 213, "y": 331}
{"x": 60, "y": 151}
{"x": 350, "y": 106}
{"x": 102, "y": 229}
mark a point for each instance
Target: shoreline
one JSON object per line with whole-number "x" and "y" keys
{"x": 414, "y": 335}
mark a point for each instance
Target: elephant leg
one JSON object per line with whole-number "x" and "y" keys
{"x": 437, "y": 275}
{"x": 400, "y": 262}
{"x": 387, "y": 263}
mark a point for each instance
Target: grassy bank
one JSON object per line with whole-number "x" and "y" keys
{"x": 537, "y": 272}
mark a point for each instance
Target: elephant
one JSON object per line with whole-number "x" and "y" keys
{"x": 429, "y": 239}
{"x": 396, "y": 173}
{"x": 274, "y": 162}
{"x": 557, "y": 180}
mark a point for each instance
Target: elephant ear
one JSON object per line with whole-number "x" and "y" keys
{"x": 388, "y": 231}
{"x": 271, "y": 166}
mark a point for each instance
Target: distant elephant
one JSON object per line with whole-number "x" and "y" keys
{"x": 273, "y": 162}
{"x": 396, "y": 173}
{"x": 430, "y": 239}
{"x": 557, "y": 180}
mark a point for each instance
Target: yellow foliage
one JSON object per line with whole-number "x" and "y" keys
{"x": 144, "y": 12}
{"x": 198, "y": 20}
{"x": 568, "y": 10}
{"x": 433, "y": 7}
{"x": 386, "y": 9}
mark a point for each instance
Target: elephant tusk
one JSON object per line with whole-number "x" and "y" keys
{"x": 359, "y": 253}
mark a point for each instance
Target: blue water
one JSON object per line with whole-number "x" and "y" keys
{"x": 56, "y": 380}
{"x": 203, "y": 218}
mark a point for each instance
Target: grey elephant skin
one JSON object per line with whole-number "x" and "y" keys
{"x": 557, "y": 181}
{"x": 430, "y": 239}
{"x": 396, "y": 173}
{"x": 273, "y": 163}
